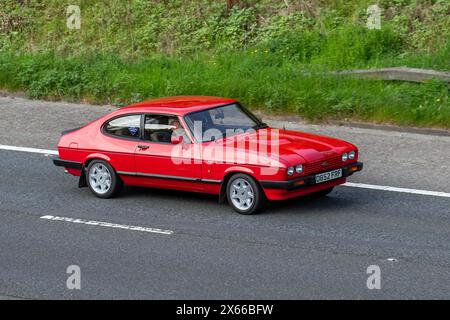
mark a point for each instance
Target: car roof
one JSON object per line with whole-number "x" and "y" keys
{"x": 179, "y": 105}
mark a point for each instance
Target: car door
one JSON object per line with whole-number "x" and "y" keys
{"x": 162, "y": 163}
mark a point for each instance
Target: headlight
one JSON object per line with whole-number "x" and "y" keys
{"x": 290, "y": 171}
{"x": 352, "y": 155}
{"x": 299, "y": 169}
{"x": 344, "y": 157}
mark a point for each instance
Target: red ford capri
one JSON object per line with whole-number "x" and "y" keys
{"x": 204, "y": 144}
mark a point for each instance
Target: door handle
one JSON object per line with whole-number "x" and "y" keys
{"x": 143, "y": 147}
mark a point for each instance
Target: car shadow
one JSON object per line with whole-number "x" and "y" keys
{"x": 335, "y": 202}
{"x": 309, "y": 205}
{"x": 131, "y": 191}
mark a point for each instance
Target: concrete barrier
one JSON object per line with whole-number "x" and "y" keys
{"x": 397, "y": 74}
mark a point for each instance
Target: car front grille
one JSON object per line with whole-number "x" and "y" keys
{"x": 323, "y": 165}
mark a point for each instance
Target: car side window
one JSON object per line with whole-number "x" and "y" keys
{"x": 161, "y": 128}
{"x": 125, "y": 127}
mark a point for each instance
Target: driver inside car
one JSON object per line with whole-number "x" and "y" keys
{"x": 177, "y": 129}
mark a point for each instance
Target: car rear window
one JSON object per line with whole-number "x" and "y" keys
{"x": 126, "y": 127}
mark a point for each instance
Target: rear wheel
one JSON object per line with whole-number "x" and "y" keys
{"x": 102, "y": 179}
{"x": 244, "y": 194}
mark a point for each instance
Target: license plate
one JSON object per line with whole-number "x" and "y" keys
{"x": 327, "y": 176}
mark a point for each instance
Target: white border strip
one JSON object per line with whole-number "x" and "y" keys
{"x": 24, "y": 149}
{"x": 107, "y": 224}
{"x": 395, "y": 189}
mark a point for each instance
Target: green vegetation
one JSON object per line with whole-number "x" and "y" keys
{"x": 271, "y": 55}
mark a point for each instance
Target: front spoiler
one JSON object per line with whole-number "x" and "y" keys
{"x": 303, "y": 182}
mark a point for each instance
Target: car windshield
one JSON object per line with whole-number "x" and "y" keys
{"x": 219, "y": 122}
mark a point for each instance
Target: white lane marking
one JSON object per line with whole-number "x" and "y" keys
{"x": 107, "y": 224}
{"x": 348, "y": 184}
{"x": 395, "y": 189}
{"x": 24, "y": 149}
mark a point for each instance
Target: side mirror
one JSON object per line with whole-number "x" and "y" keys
{"x": 176, "y": 139}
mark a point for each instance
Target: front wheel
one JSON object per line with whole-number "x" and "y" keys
{"x": 102, "y": 179}
{"x": 244, "y": 194}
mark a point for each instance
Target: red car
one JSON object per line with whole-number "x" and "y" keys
{"x": 204, "y": 144}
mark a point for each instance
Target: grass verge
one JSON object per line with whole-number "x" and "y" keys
{"x": 259, "y": 79}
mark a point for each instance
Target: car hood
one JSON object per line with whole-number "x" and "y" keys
{"x": 291, "y": 146}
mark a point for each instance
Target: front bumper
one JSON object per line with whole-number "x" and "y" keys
{"x": 306, "y": 181}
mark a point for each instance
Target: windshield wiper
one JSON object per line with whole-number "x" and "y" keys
{"x": 261, "y": 125}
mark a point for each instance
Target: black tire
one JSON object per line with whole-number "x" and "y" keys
{"x": 115, "y": 182}
{"x": 322, "y": 193}
{"x": 258, "y": 194}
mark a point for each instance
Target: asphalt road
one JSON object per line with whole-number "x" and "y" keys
{"x": 298, "y": 249}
